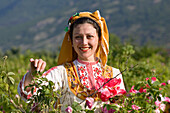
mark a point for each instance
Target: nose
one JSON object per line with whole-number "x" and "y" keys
{"x": 84, "y": 40}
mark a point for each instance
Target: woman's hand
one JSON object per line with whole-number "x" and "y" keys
{"x": 37, "y": 65}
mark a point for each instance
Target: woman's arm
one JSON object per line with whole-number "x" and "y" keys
{"x": 35, "y": 65}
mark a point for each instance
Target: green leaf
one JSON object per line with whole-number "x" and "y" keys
{"x": 11, "y": 80}
{"x": 32, "y": 90}
{"x": 5, "y": 79}
{"x": 149, "y": 110}
{"x": 6, "y": 87}
{"x": 89, "y": 111}
{"x": 10, "y": 73}
{"x": 149, "y": 82}
{"x": 156, "y": 83}
{"x": 159, "y": 98}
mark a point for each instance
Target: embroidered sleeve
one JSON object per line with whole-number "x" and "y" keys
{"x": 24, "y": 94}
{"x": 55, "y": 74}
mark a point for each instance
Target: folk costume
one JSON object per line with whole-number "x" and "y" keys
{"x": 77, "y": 78}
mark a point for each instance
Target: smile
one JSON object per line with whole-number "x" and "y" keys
{"x": 84, "y": 49}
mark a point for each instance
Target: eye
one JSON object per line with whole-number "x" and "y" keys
{"x": 78, "y": 37}
{"x": 90, "y": 36}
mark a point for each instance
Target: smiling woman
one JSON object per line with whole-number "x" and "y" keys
{"x": 81, "y": 63}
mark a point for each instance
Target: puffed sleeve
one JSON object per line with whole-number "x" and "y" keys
{"x": 115, "y": 72}
{"x": 56, "y": 74}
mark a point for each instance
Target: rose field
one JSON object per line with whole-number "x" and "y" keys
{"x": 145, "y": 72}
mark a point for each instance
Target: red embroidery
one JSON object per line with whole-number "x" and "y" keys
{"x": 97, "y": 70}
{"x": 81, "y": 68}
{"x": 88, "y": 73}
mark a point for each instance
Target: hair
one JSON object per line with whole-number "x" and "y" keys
{"x": 83, "y": 20}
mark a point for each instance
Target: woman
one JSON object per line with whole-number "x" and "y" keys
{"x": 81, "y": 61}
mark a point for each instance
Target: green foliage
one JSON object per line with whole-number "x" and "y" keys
{"x": 148, "y": 62}
{"x": 45, "y": 97}
{"x": 145, "y": 100}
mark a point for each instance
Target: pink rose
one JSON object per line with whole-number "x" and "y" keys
{"x": 141, "y": 90}
{"x": 112, "y": 83}
{"x": 153, "y": 79}
{"x": 147, "y": 78}
{"x": 113, "y": 91}
{"x": 17, "y": 96}
{"x": 69, "y": 109}
{"x": 122, "y": 91}
{"x": 11, "y": 101}
{"x": 168, "y": 81}
{"x": 89, "y": 102}
{"x": 104, "y": 110}
{"x": 163, "y": 84}
{"x": 167, "y": 99}
{"x": 132, "y": 90}
{"x": 157, "y": 110}
{"x": 135, "y": 107}
{"x": 157, "y": 103}
{"x": 105, "y": 95}
{"x": 162, "y": 107}
{"x": 100, "y": 82}
{"x": 147, "y": 86}
{"x": 111, "y": 111}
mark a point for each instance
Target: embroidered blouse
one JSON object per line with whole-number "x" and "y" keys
{"x": 75, "y": 87}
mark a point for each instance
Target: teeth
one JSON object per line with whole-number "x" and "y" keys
{"x": 84, "y": 48}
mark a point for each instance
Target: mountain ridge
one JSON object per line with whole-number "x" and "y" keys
{"x": 27, "y": 24}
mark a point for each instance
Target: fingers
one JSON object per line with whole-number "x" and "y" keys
{"x": 40, "y": 65}
{"x": 37, "y": 64}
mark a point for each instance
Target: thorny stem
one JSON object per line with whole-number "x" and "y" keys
{"x": 110, "y": 80}
{"x": 18, "y": 107}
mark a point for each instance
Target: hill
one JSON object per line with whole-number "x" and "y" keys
{"x": 35, "y": 24}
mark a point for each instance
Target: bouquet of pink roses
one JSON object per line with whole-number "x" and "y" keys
{"x": 109, "y": 88}
{"x": 146, "y": 96}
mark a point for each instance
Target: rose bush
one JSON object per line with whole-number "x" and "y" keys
{"x": 150, "y": 64}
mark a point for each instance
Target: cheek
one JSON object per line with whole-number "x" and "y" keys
{"x": 75, "y": 42}
{"x": 96, "y": 43}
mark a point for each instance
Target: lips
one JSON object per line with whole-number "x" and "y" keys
{"x": 84, "y": 49}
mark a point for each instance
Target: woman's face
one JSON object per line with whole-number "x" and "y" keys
{"x": 85, "y": 41}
